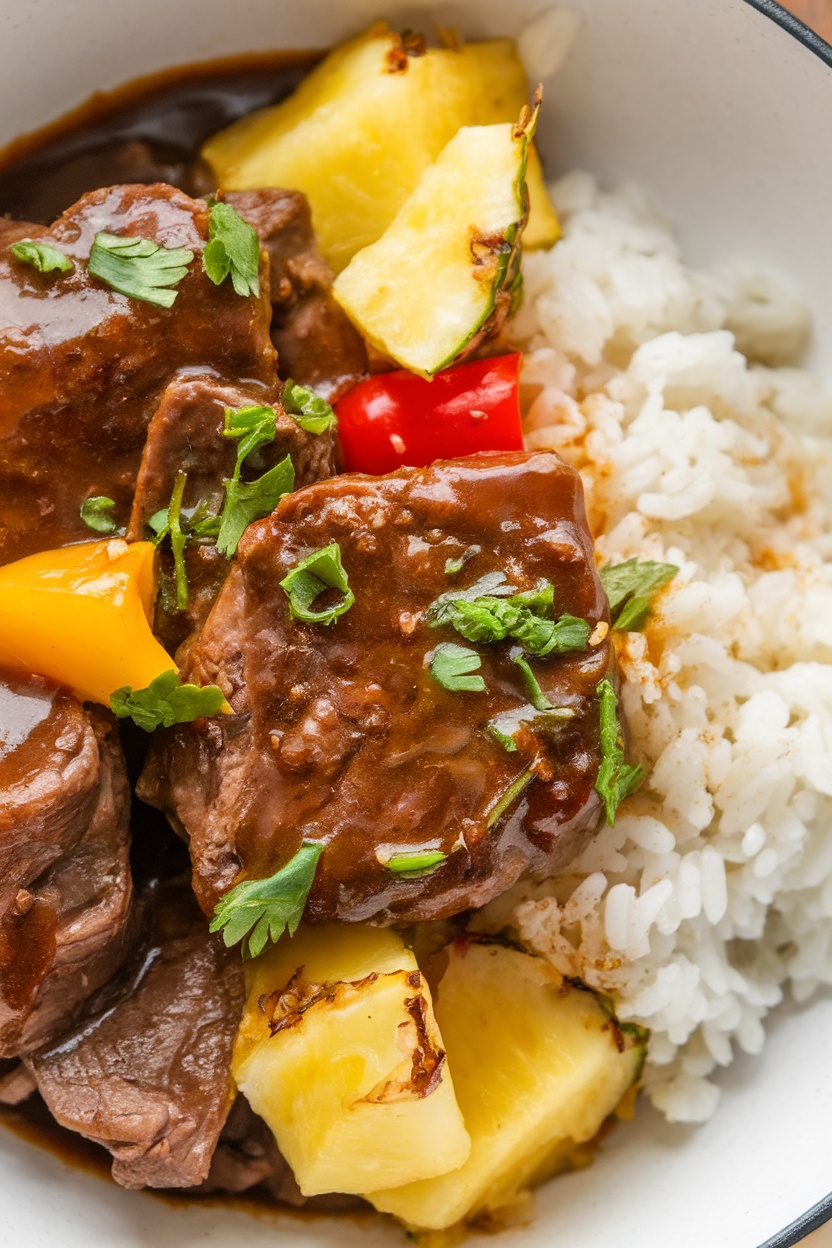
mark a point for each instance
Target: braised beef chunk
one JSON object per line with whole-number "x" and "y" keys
{"x": 186, "y": 434}
{"x": 316, "y": 342}
{"x": 341, "y": 735}
{"x": 83, "y": 368}
{"x": 65, "y": 888}
{"x": 149, "y": 1077}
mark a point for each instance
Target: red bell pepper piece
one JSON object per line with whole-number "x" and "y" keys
{"x": 398, "y": 418}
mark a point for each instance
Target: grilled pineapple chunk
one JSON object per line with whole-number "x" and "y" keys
{"x": 447, "y": 263}
{"x": 538, "y": 1065}
{"x": 498, "y": 91}
{"x": 340, "y": 1053}
{"x": 362, "y": 128}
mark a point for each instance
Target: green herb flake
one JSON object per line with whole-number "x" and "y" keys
{"x": 97, "y": 514}
{"x": 41, "y": 256}
{"x": 166, "y": 702}
{"x": 534, "y": 693}
{"x": 412, "y": 866}
{"x": 502, "y": 738}
{"x": 451, "y": 666}
{"x": 510, "y": 796}
{"x": 246, "y": 501}
{"x": 171, "y": 522}
{"x": 485, "y": 618}
{"x": 631, "y": 587}
{"x": 452, "y": 566}
{"x": 308, "y": 409}
{"x": 232, "y": 250}
{"x": 616, "y": 779}
{"x": 319, "y": 571}
{"x": 258, "y": 911}
{"x": 138, "y": 267}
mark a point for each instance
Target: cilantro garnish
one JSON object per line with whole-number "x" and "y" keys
{"x": 257, "y": 911}
{"x": 505, "y": 739}
{"x": 616, "y": 779}
{"x": 451, "y": 666}
{"x": 534, "y": 693}
{"x": 169, "y": 523}
{"x": 246, "y": 501}
{"x": 41, "y": 256}
{"x": 312, "y": 413}
{"x": 452, "y": 566}
{"x": 165, "y": 702}
{"x": 525, "y": 617}
{"x": 631, "y": 587}
{"x": 138, "y": 267}
{"x": 317, "y": 572}
{"x": 411, "y": 866}
{"x": 97, "y": 514}
{"x": 510, "y": 795}
{"x": 232, "y": 250}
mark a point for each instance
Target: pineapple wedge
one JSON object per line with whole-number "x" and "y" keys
{"x": 538, "y": 1065}
{"x": 431, "y": 283}
{"x": 498, "y": 89}
{"x": 340, "y": 1053}
{"x": 363, "y": 127}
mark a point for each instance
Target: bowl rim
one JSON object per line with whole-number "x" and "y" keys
{"x": 821, "y": 1213}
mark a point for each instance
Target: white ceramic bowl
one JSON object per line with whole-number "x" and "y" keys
{"x": 722, "y": 108}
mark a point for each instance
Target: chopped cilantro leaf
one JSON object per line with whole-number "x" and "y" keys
{"x": 232, "y": 250}
{"x": 452, "y": 666}
{"x": 246, "y": 501}
{"x": 258, "y": 911}
{"x": 138, "y": 267}
{"x": 411, "y": 866}
{"x": 616, "y": 779}
{"x": 534, "y": 693}
{"x": 317, "y": 572}
{"x": 452, "y": 566}
{"x": 505, "y": 739}
{"x": 486, "y": 618}
{"x": 171, "y": 523}
{"x": 41, "y": 256}
{"x": 97, "y": 514}
{"x": 312, "y": 413}
{"x": 631, "y": 587}
{"x": 510, "y": 796}
{"x": 165, "y": 702}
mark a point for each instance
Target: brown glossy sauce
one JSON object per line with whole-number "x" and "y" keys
{"x": 149, "y": 130}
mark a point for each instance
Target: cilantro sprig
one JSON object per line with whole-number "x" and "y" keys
{"x": 510, "y": 796}
{"x": 41, "y": 256}
{"x": 526, "y": 617}
{"x": 616, "y": 779}
{"x": 138, "y": 267}
{"x": 308, "y": 409}
{"x": 452, "y": 667}
{"x": 232, "y": 250}
{"x": 308, "y": 579}
{"x": 172, "y": 524}
{"x": 97, "y": 514}
{"x": 631, "y": 587}
{"x": 246, "y": 501}
{"x": 165, "y": 702}
{"x": 258, "y": 911}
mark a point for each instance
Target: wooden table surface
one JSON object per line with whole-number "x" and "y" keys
{"x": 815, "y": 13}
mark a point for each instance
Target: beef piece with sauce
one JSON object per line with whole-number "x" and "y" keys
{"x": 340, "y": 733}
{"x": 186, "y": 433}
{"x": 83, "y": 368}
{"x": 316, "y": 342}
{"x": 65, "y": 887}
{"x": 148, "y": 1074}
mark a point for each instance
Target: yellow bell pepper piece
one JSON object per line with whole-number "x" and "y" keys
{"x": 82, "y": 616}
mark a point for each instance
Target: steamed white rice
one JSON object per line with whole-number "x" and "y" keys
{"x": 711, "y": 897}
